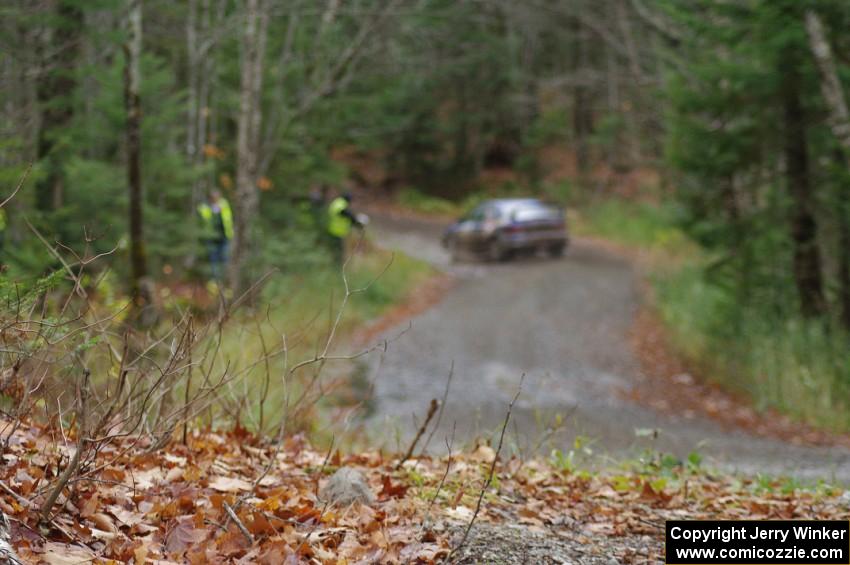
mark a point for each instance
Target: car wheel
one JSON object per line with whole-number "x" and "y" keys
{"x": 452, "y": 248}
{"x": 556, "y": 250}
{"x": 496, "y": 253}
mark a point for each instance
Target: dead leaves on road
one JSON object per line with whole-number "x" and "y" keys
{"x": 172, "y": 506}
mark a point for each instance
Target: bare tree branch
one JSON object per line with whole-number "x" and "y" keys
{"x": 17, "y": 188}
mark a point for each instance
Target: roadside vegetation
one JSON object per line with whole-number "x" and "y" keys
{"x": 72, "y": 329}
{"x": 761, "y": 347}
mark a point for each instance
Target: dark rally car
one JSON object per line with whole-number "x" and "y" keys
{"x": 499, "y": 229}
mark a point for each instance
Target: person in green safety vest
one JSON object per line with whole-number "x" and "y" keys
{"x": 216, "y": 231}
{"x": 340, "y": 221}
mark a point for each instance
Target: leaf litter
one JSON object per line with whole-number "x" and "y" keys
{"x": 212, "y": 501}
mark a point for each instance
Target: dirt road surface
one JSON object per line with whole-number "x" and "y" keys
{"x": 564, "y": 325}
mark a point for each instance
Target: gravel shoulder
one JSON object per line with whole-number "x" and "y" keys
{"x": 500, "y": 544}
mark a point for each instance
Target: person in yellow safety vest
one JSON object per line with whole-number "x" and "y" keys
{"x": 216, "y": 231}
{"x": 340, "y": 221}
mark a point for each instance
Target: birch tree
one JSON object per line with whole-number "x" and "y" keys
{"x": 206, "y": 24}
{"x": 839, "y": 122}
{"x": 253, "y": 48}
{"x": 258, "y": 135}
{"x": 830, "y": 85}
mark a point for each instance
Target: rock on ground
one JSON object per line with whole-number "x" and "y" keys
{"x": 347, "y": 486}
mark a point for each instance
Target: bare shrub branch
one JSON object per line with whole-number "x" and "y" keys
{"x": 490, "y": 475}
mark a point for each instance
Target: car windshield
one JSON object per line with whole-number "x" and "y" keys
{"x": 532, "y": 211}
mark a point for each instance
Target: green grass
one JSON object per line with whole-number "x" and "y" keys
{"x": 780, "y": 361}
{"x": 304, "y": 309}
{"x": 418, "y": 201}
{"x": 379, "y": 278}
{"x": 636, "y": 224}
{"x": 792, "y": 365}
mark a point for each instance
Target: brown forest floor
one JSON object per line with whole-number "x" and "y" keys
{"x": 172, "y": 505}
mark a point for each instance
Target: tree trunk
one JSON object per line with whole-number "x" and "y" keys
{"x": 207, "y": 62}
{"x": 636, "y": 102}
{"x": 807, "y": 260}
{"x": 132, "y": 101}
{"x": 839, "y": 122}
{"x": 582, "y": 113}
{"x": 200, "y": 67}
{"x": 192, "y": 60}
{"x": 613, "y": 103}
{"x": 54, "y": 93}
{"x": 247, "y": 138}
{"x": 839, "y": 118}
{"x": 844, "y": 261}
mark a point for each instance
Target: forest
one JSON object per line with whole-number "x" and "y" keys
{"x": 714, "y": 133}
{"x": 731, "y": 117}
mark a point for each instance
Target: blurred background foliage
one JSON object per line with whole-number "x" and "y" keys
{"x": 697, "y": 126}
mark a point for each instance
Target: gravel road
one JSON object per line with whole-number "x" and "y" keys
{"x": 564, "y": 325}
